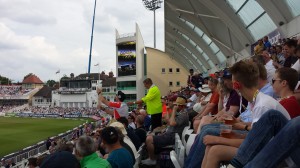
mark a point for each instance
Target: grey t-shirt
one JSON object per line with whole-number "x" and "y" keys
{"x": 182, "y": 120}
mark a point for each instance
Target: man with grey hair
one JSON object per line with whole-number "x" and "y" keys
{"x": 85, "y": 149}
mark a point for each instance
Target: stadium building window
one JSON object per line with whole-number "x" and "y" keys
{"x": 126, "y": 85}
{"x": 177, "y": 70}
{"x": 170, "y": 70}
{"x": 177, "y": 83}
{"x": 163, "y": 70}
{"x": 170, "y": 84}
{"x": 93, "y": 88}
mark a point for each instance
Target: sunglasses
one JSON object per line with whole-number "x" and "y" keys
{"x": 273, "y": 80}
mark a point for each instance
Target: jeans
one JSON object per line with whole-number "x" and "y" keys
{"x": 196, "y": 155}
{"x": 286, "y": 143}
{"x": 261, "y": 133}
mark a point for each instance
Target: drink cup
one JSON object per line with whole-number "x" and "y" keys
{"x": 226, "y": 130}
{"x": 229, "y": 120}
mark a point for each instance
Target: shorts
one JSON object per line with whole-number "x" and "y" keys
{"x": 163, "y": 140}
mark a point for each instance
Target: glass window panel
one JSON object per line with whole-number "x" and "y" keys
{"x": 294, "y": 6}
{"x": 250, "y": 12}
{"x": 198, "y": 31}
{"x": 190, "y": 24}
{"x": 186, "y": 37}
{"x": 236, "y": 4}
{"x": 192, "y": 42}
{"x": 211, "y": 64}
{"x": 206, "y": 39}
{"x": 205, "y": 56}
{"x": 199, "y": 49}
{"x": 221, "y": 57}
{"x": 262, "y": 27}
{"x": 214, "y": 47}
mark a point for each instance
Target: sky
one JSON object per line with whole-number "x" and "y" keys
{"x": 44, "y": 36}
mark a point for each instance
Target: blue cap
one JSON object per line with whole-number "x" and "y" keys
{"x": 227, "y": 74}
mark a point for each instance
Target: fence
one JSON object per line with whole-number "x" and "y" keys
{"x": 21, "y": 157}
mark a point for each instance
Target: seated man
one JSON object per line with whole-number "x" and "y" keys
{"x": 260, "y": 103}
{"x": 118, "y": 156}
{"x": 211, "y": 107}
{"x": 232, "y": 103}
{"x": 284, "y": 83}
{"x": 257, "y": 79}
{"x": 178, "y": 120}
{"x": 85, "y": 149}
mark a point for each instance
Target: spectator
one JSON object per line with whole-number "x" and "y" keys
{"x": 60, "y": 159}
{"x": 147, "y": 119}
{"x": 211, "y": 107}
{"x": 289, "y": 53}
{"x": 269, "y": 65}
{"x": 85, "y": 149}
{"x": 296, "y": 66}
{"x": 259, "y": 47}
{"x": 32, "y": 162}
{"x": 120, "y": 108}
{"x": 153, "y": 102}
{"x": 131, "y": 121}
{"x": 126, "y": 139}
{"x": 284, "y": 83}
{"x": 118, "y": 156}
{"x": 267, "y": 44}
{"x": 140, "y": 131}
{"x": 130, "y": 133}
{"x": 178, "y": 120}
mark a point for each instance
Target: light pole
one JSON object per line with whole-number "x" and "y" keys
{"x": 152, "y": 5}
{"x": 91, "y": 45}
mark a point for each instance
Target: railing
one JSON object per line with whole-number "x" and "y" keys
{"x": 35, "y": 150}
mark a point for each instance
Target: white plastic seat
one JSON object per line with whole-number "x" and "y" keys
{"x": 190, "y": 143}
{"x": 174, "y": 159}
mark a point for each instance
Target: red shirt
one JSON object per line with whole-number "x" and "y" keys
{"x": 291, "y": 105}
{"x": 215, "y": 100}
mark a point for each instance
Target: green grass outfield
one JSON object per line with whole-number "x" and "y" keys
{"x": 18, "y": 133}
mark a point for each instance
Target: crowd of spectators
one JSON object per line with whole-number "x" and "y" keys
{"x": 12, "y": 90}
{"x": 60, "y": 110}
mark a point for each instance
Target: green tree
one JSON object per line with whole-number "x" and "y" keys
{"x": 51, "y": 82}
{"x": 4, "y": 80}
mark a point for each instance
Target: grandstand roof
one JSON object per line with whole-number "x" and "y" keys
{"x": 203, "y": 34}
{"x": 32, "y": 79}
{"x": 45, "y": 92}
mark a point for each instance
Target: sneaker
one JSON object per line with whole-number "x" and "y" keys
{"x": 149, "y": 162}
{"x": 230, "y": 166}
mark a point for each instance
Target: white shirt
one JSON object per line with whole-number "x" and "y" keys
{"x": 296, "y": 66}
{"x": 131, "y": 145}
{"x": 263, "y": 103}
{"x": 193, "y": 99}
{"x": 270, "y": 70}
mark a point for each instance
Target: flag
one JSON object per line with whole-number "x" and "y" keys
{"x": 116, "y": 115}
{"x": 97, "y": 64}
{"x": 57, "y": 72}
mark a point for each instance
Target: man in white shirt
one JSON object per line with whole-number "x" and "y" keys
{"x": 296, "y": 66}
{"x": 269, "y": 65}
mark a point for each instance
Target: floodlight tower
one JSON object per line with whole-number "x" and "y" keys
{"x": 152, "y": 5}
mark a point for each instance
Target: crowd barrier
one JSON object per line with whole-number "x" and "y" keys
{"x": 21, "y": 156}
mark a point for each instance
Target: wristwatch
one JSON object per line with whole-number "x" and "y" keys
{"x": 246, "y": 128}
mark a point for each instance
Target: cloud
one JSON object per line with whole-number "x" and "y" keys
{"x": 41, "y": 37}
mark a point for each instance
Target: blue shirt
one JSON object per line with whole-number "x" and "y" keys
{"x": 268, "y": 90}
{"x": 147, "y": 123}
{"x": 120, "y": 158}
